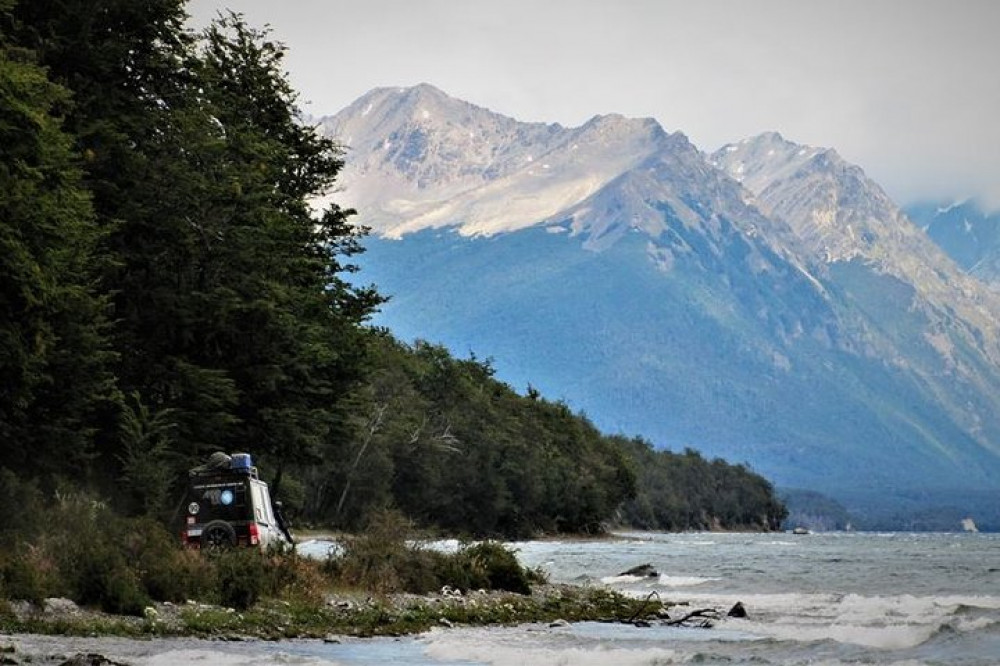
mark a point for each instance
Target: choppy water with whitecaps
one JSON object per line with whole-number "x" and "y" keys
{"x": 837, "y": 598}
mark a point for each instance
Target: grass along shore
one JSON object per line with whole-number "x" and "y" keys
{"x": 343, "y": 614}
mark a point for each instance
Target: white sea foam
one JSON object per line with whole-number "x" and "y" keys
{"x": 973, "y": 624}
{"x": 323, "y": 548}
{"x": 663, "y": 580}
{"x": 219, "y": 658}
{"x": 622, "y": 580}
{"x": 884, "y": 622}
{"x": 501, "y": 655}
{"x": 539, "y": 648}
{"x": 684, "y": 581}
{"x": 889, "y": 637}
{"x": 443, "y": 545}
{"x": 319, "y": 548}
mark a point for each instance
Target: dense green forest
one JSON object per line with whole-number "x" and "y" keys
{"x": 166, "y": 291}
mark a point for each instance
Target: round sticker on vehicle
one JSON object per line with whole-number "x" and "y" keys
{"x": 226, "y": 497}
{"x": 193, "y": 508}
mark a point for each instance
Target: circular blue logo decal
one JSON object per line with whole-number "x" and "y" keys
{"x": 226, "y": 497}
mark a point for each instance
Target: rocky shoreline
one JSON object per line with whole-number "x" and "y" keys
{"x": 26, "y": 629}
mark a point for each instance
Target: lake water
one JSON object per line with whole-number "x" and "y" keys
{"x": 839, "y": 598}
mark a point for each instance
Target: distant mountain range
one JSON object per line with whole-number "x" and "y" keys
{"x": 767, "y": 303}
{"x": 969, "y": 235}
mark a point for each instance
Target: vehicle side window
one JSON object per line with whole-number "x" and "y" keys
{"x": 260, "y": 507}
{"x": 267, "y": 503}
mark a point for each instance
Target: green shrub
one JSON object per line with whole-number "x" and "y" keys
{"x": 384, "y": 559}
{"x": 493, "y": 566}
{"x": 24, "y": 575}
{"x": 374, "y": 559}
{"x": 122, "y": 592}
{"x": 99, "y": 574}
{"x": 241, "y": 576}
{"x": 425, "y": 570}
{"x": 294, "y": 578}
{"x": 166, "y": 571}
{"x": 93, "y": 568}
{"x": 99, "y": 557}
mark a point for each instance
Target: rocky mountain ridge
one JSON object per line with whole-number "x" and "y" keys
{"x": 767, "y": 303}
{"x": 841, "y": 215}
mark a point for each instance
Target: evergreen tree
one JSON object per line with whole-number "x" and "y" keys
{"x": 122, "y": 61}
{"x": 289, "y": 322}
{"x": 53, "y": 354}
{"x": 232, "y": 315}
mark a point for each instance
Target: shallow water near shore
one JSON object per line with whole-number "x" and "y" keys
{"x": 838, "y": 598}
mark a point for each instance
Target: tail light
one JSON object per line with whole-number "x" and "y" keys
{"x": 254, "y": 534}
{"x": 189, "y": 536}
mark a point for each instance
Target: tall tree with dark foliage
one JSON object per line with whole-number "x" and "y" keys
{"x": 231, "y": 313}
{"x": 54, "y": 361}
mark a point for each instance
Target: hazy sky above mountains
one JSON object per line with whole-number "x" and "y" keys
{"x": 908, "y": 89}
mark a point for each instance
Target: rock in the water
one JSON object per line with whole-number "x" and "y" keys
{"x": 558, "y": 623}
{"x": 90, "y": 660}
{"x": 642, "y": 571}
{"x": 738, "y": 610}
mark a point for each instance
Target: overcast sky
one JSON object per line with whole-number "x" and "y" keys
{"x": 907, "y": 89}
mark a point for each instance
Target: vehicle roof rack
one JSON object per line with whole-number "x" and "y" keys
{"x": 220, "y": 463}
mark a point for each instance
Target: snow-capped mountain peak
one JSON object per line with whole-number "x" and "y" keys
{"x": 765, "y": 158}
{"x": 837, "y": 211}
{"x": 418, "y": 159}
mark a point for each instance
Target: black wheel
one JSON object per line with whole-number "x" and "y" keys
{"x": 218, "y": 535}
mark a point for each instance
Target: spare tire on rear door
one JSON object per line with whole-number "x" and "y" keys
{"x": 218, "y": 535}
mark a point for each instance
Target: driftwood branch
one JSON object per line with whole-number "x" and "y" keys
{"x": 645, "y": 603}
{"x": 702, "y": 618}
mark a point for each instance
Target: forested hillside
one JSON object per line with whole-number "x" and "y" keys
{"x": 166, "y": 291}
{"x": 462, "y": 451}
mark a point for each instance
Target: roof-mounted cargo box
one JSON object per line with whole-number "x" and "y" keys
{"x": 241, "y": 462}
